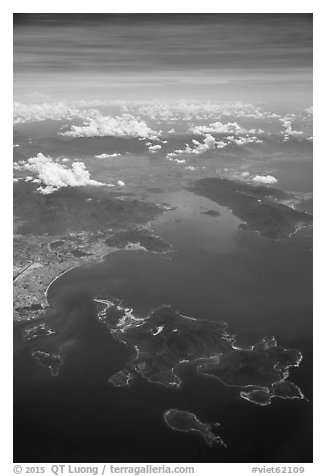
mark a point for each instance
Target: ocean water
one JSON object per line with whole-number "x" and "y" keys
{"x": 259, "y": 286}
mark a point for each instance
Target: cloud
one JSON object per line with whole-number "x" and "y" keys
{"x": 288, "y": 131}
{"x": 233, "y": 128}
{"x": 154, "y": 148}
{"x": 189, "y": 110}
{"x": 209, "y": 143}
{"x": 309, "y": 110}
{"x": 144, "y": 119}
{"x": 107, "y": 156}
{"x": 220, "y": 144}
{"x": 219, "y": 128}
{"x": 244, "y": 140}
{"x": 19, "y": 165}
{"x": 53, "y": 176}
{"x": 118, "y": 126}
{"x": 264, "y": 179}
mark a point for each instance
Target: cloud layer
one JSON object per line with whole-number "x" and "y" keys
{"x": 50, "y": 111}
{"x": 190, "y": 110}
{"x": 236, "y": 123}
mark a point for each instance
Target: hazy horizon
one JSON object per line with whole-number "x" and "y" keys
{"x": 260, "y": 58}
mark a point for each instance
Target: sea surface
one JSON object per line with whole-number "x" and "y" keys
{"x": 259, "y": 286}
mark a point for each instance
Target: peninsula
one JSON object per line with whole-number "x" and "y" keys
{"x": 262, "y": 209}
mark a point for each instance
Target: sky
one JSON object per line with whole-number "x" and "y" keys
{"x": 255, "y": 58}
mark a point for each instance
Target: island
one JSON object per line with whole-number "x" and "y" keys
{"x": 166, "y": 339}
{"x": 266, "y": 210}
{"x": 52, "y": 362}
{"x": 34, "y": 331}
{"x": 181, "y": 420}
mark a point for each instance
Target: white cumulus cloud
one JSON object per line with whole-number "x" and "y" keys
{"x": 209, "y": 143}
{"x": 247, "y": 140}
{"x": 219, "y": 128}
{"x": 264, "y": 179}
{"x": 107, "y": 156}
{"x": 154, "y": 148}
{"x": 53, "y": 176}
